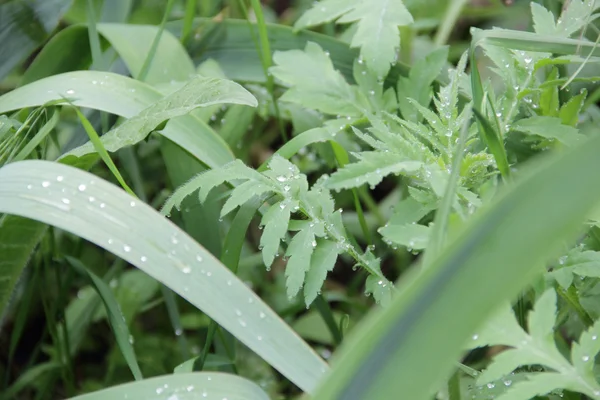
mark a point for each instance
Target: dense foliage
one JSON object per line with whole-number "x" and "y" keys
{"x": 211, "y": 199}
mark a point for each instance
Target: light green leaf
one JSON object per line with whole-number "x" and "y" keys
{"x": 417, "y": 85}
{"x": 325, "y": 11}
{"x": 199, "y": 385}
{"x": 275, "y": 221}
{"x": 313, "y": 81}
{"x": 413, "y": 236}
{"x": 243, "y": 193}
{"x": 133, "y": 42}
{"x": 545, "y": 205}
{"x": 586, "y": 349}
{"x": 535, "y": 385}
{"x": 371, "y": 168}
{"x": 549, "y": 128}
{"x": 198, "y": 92}
{"x": 105, "y": 215}
{"x": 123, "y": 96}
{"x": 542, "y": 317}
{"x": 377, "y": 32}
{"x": 543, "y": 19}
{"x": 322, "y": 261}
{"x": 569, "y": 112}
{"x": 299, "y": 252}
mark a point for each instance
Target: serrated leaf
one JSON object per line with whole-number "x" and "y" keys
{"x": 299, "y": 252}
{"x": 381, "y": 289}
{"x": 322, "y": 261}
{"x": 371, "y": 168}
{"x": 549, "y": 128}
{"x": 543, "y": 19}
{"x": 413, "y": 236}
{"x": 586, "y": 349}
{"x": 535, "y": 385}
{"x": 244, "y": 193}
{"x": 276, "y": 221}
{"x": 198, "y": 92}
{"x": 569, "y": 112}
{"x": 313, "y": 81}
{"x": 325, "y": 11}
{"x": 542, "y": 317}
{"x": 377, "y": 34}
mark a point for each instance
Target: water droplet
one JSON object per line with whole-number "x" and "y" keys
{"x": 132, "y": 203}
{"x": 259, "y": 338}
{"x": 102, "y": 205}
{"x": 594, "y": 337}
{"x": 186, "y": 269}
{"x": 204, "y": 394}
{"x": 131, "y": 340}
{"x": 491, "y": 385}
{"x": 174, "y": 239}
{"x": 45, "y": 184}
{"x": 178, "y": 332}
{"x": 126, "y": 248}
{"x": 159, "y": 390}
{"x": 143, "y": 258}
{"x": 242, "y": 323}
{"x": 585, "y": 358}
{"x": 66, "y": 201}
{"x": 229, "y": 282}
{"x": 261, "y": 315}
{"x": 281, "y": 178}
{"x": 199, "y": 258}
{"x": 507, "y": 382}
{"x": 314, "y": 243}
{"x": 70, "y": 91}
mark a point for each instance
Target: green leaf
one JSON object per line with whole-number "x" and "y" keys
{"x": 299, "y": 252}
{"x": 371, "y": 168}
{"x": 417, "y": 85}
{"x": 198, "y": 92}
{"x": 549, "y": 128}
{"x": 243, "y": 193}
{"x": 494, "y": 142}
{"x": 569, "y": 112}
{"x": 313, "y": 81}
{"x": 413, "y": 236}
{"x": 322, "y": 261}
{"x": 275, "y": 221}
{"x": 122, "y": 96}
{"x": 24, "y": 25}
{"x": 115, "y": 317}
{"x": 543, "y": 20}
{"x": 487, "y": 264}
{"x": 133, "y": 42}
{"x": 377, "y": 32}
{"x": 105, "y": 215}
{"x": 325, "y": 11}
{"x": 204, "y": 385}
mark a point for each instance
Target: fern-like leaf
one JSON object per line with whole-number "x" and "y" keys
{"x": 538, "y": 348}
{"x": 377, "y": 26}
{"x": 275, "y": 222}
{"x": 322, "y": 261}
{"x": 371, "y": 168}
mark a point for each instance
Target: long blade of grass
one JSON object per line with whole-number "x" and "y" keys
{"x": 210, "y": 386}
{"x": 101, "y": 213}
{"x": 490, "y": 262}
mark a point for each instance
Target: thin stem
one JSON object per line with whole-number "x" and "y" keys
{"x": 450, "y": 17}
{"x": 325, "y": 310}
{"x": 148, "y": 61}
{"x": 265, "y": 55}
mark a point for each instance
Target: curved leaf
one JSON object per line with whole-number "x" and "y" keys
{"x": 122, "y": 96}
{"x": 102, "y": 213}
{"x": 189, "y": 386}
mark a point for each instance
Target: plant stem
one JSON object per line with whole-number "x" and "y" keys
{"x": 327, "y": 315}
